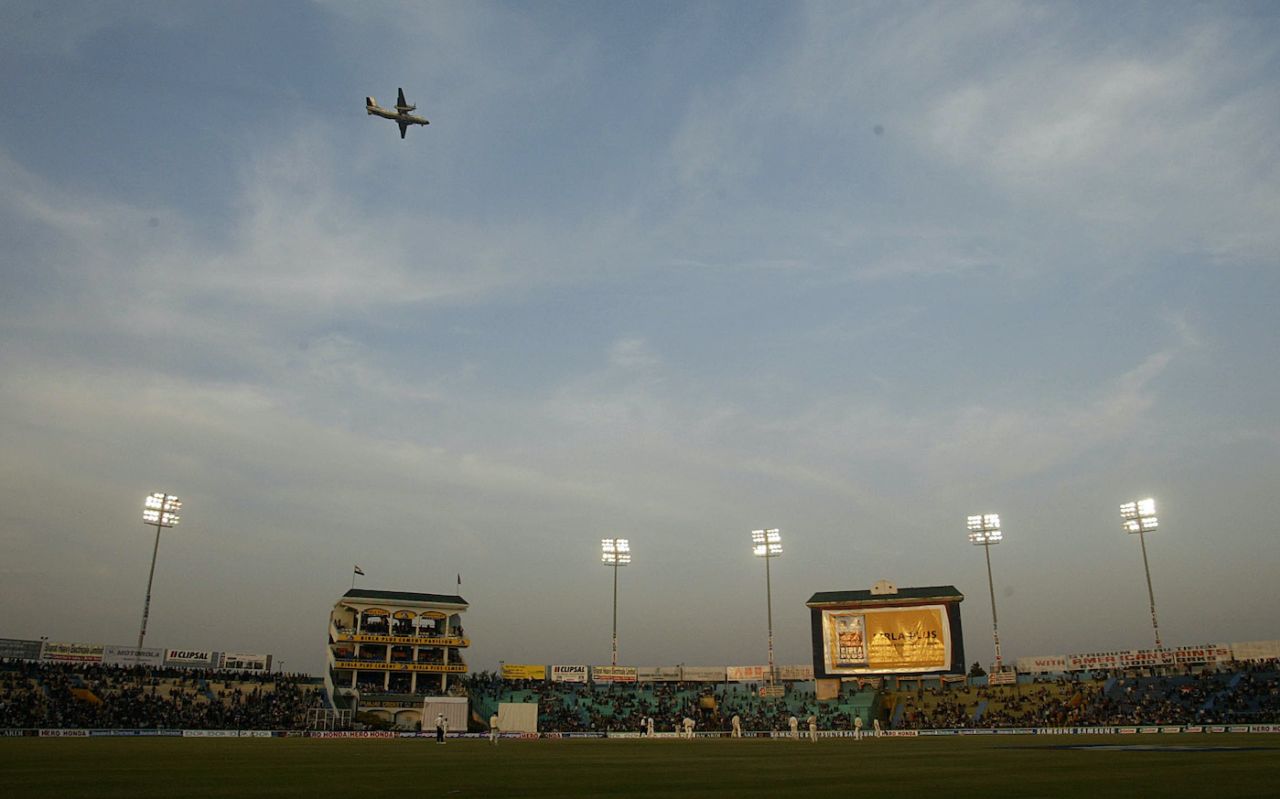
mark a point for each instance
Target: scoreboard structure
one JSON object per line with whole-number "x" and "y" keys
{"x": 887, "y": 631}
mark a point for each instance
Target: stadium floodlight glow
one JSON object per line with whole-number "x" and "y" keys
{"x": 1139, "y": 517}
{"x": 615, "y": 552}
{"x": 984, "y": 530}
{"x": 767, "y": 544}
{"x": 159, "y": 510}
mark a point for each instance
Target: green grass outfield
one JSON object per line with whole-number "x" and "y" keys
{"x": 1021, "y": 766}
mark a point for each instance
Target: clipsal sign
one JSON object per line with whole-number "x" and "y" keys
{"x": 188, "y": 657}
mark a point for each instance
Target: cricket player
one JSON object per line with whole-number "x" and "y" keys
{"x": 857, "y": 728}
{"x": 648, "y": 727}
{"x": 794, "y": 724}
{"x": 442, "y": 726}
{"x": 875, "y": 726}
{"x": 493, "y": 729}
{"x": 737, "y": 726}
{"x": 813, "y": 729}
{"x": 688, "y": 728}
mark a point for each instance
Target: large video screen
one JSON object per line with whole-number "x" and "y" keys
{"x": 917, "y": 639}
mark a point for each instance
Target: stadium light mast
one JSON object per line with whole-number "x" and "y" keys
{"x": 159, "y": 510}
{"x": 984, "y": 530}
{"x": 1139, "y": 517}
{"x": 767, "y": 544}
{"x": 615, "y": 552}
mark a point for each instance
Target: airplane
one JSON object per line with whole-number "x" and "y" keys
{"x": 401, "y": 113}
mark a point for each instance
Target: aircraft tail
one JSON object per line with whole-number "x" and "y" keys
{"x": 369, "y": 102}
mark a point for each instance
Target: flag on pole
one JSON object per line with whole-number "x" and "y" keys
{"x": 359, "y": 570}
{"x": 459, "y": 579}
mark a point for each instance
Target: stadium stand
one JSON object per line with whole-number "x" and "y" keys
{"x": 105, "y": 697}
{"x": 50, "y": 695}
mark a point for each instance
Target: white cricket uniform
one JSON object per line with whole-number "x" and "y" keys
{"x": 493, "y": 729}
{"x": 857, "y": 728}
{"x": 794, "y": 724}
{"x": 737, "y": 726}
{"x": 813, "y": 729}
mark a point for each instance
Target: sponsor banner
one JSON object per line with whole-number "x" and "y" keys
{"x": 210, "y": 734}
{"x": 256, "y": 734}
{"x": 613, "y": 673}
{"x": 524, "y": 671}
{"x": 190, "y": 658}
{"x": 747, "y": 673}
{"x": 1170, "y": 729}
{"x": 702, "y": 673}
{"x": 132, "y": 656}
{"x": 797, "y": 673}
{"x": 1149, "y": 730}
{"x": 382, "y": 665}
{"x": 64, "y": 733}
{"x": 56, "y": 652}
{"x": 353, "y": 734}
{"x": 1126, "y": 730}
{"x": 1208, "y": 654}
{"x": 1215, "y": 728}
{"x": 612, "y": 734}
{"x": 9, "y": 733}
{"x": 1264, "y": 728}
{"x": 1002, "y": 678}
{"x": 886, "y": 640}
{"x": 568, "y": 673}
{"x": 18, "y": 649}
{"x": 1256, "y": 650}
{"x": 406, "y": 640}
{"x": 1238, "y": 728}
{"x": 658, "y": 673}
{"x": 899, "y": 733}
{"x": 1044, "y": 664}
{"x": 239, "y": 661}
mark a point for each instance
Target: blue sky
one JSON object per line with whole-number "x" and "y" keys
{"x": 663, "y": 271}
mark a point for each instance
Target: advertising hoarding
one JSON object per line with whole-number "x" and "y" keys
{"x": 240, "y": 661}
{"x": 60, "y": 652}
{"x": 190, "y": 658}
{"x": 113, "y": 655}
{"x": 524, "y": 671}
{"x": 17, "y": 649}
{"x": 658, "y": 673}
{"x": 568, "y": 673}
{"x": 613, "y": 673}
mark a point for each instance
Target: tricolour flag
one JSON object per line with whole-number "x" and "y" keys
{"x": 359, "y": 570}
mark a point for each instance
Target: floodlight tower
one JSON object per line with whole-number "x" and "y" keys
{"x": 615, "y": 552}
{"x": 767, "y": 544}
{"x": 984, "y": 530}
{"x": 159, "y": 510}
{"x": 1139, "y": 517}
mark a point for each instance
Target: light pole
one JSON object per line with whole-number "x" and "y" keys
{"x": 615, "y": 552}
{"x": 1139, "y": 517}
{"x": 159, "y": 510}
{"x": 984, "y": 530}
{"x": 767, "y": 544}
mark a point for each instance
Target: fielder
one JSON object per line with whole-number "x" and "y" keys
{"x": 794, "y": 724}
{"x": 648, "y": 727}
{"x": 688, "y": 728}
{"x": 857, "y": 728}
{"x": 813, "y": 729}
{"x": 737, "y": 726}
{"x": 875, "y": 726}
{"x": 442, "y": 726}
{"x": 493, "y": 729}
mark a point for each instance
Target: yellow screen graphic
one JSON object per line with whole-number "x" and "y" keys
{"x": 902, "y": 640}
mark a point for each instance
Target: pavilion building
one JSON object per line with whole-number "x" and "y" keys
{"x": 389, "y": 651}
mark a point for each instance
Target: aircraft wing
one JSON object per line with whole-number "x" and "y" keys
{"x": 403, "y": 126}
{"x": 401, "y": 102}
